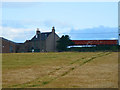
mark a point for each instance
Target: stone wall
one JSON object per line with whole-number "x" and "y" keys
{"x": 51, "y": 42}
{"x": 8, "y": 46}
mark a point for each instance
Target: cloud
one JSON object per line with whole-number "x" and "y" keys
{"x": 22, "y": 34}
{"x": 16, "y": 34}
{"x": 19, "y": 31}
{"x": 46, "y": 25}
{"x": 113, "y": 38}
{"x": 13, "y": 23}
{"x": 60, "y": 27}
{"x": 95, "y": 33}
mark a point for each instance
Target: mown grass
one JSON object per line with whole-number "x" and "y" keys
{"x": 43, "y": 69}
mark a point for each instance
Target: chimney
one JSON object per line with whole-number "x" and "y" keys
{"x": 37, "y": 32}
{"x": 53, "y": 29}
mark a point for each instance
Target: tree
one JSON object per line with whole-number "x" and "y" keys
{"x": 63, "y": 43}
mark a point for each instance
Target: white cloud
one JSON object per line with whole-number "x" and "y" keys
{"x": 22, "y": 34}
{"x": 14, "y": 34}
{"x": 113, "y": 38}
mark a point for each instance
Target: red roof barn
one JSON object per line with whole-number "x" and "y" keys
{"x": 95, "y": 42}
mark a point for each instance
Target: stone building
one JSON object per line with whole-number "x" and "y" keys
{"x": 41, "y": 42}
{"x": 7, "y": 46}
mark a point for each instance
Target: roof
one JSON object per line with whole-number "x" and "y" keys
{"x": 7, "y": 40}
{"x": 95, "y": 42}
{"x": 44, "y": 36}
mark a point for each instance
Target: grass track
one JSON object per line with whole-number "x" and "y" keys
{"x": 50, "y": 67}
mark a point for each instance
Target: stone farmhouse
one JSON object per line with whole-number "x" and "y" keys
{"x": 41, "y": 42}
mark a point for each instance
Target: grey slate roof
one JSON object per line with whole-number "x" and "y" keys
{"x": 44, "y": 36}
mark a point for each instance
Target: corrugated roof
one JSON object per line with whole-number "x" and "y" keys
{"x": 95, "y": 42}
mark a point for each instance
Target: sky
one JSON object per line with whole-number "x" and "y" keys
{"x": 79, "y": 20}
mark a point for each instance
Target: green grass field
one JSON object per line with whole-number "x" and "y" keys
{"x": 60, "y": 70}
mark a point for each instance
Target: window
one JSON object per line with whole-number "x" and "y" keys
{"x": 11, "y": 49}
{"x": 45, "y": 35}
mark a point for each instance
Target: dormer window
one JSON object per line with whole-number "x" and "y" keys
{"x": 45, "y": 35}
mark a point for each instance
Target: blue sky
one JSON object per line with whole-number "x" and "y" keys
{"x": 80, "y": 20}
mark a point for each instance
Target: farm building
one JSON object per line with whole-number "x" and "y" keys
{"x": 41, "y": 42}
{"x": 95, "y": 42}
{"x": 7, "y": 46}
{"x": 94, "y": 45}
{"x": 47, "y": 41}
